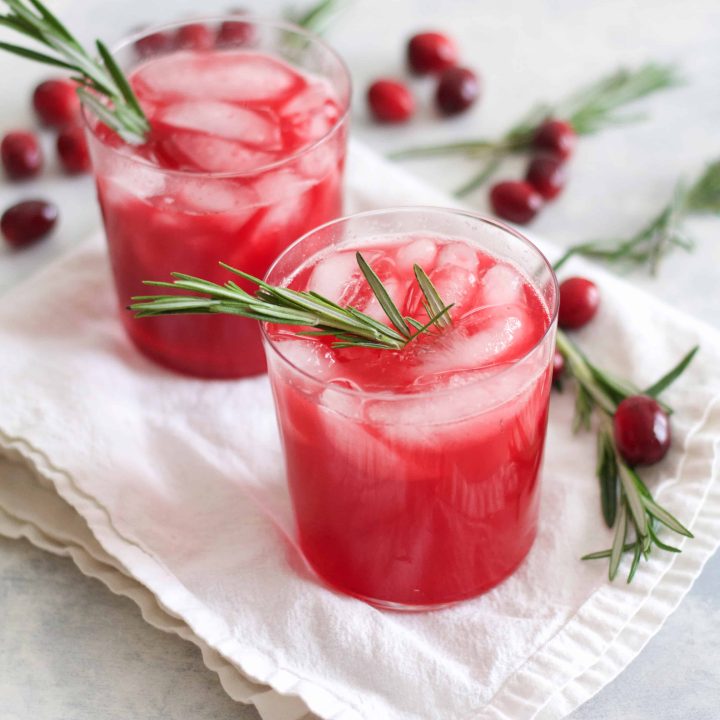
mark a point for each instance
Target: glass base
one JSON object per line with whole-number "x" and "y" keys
{"x": 401, "y": 607}
{"x": 421, "y": 607}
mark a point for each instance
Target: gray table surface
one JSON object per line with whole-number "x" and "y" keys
{"x": 70, "y": 649}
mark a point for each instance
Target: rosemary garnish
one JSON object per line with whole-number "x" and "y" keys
{"x": 102, "y": 85}
{"x": 664, "y": 232}
{"x": 319, "y": 16}
{"x": 280, "y": 305}
{"x": 627, "y": 503}
{"x": 589, "y": 110}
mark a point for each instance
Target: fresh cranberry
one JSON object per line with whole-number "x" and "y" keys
{"x": 235, "y": 33}
{"x": 390, "y": 101}
{"x": 579, "y": 301}
{"x": 154, "y": 44}
{"x": 195, "y": 36}
{"x": 515, "y": 200}
{"x": 73, "y": 150}
{"x": 21, "y": 155}
{"x": 56, "y": 102}
{"x": 28, "y": 222}
{"x": 458, "y": 88}
{"x": 547, "y": 174}
{"x": 558, "y": 366}
{"x": 431, "y": 52}
{"x": 642, "y": 430}
{"x": 555, "y": 136}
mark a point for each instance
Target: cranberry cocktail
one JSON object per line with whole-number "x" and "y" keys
{"x": 245, "y": 155}
{"x": 414, "y": 472}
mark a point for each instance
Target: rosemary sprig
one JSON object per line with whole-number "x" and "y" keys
{"x": 280, "y": 305}
{"x": 663, "y": 233}
{"x": 626, "y": 502}
{"x": 591, "y": 109}
{"x": 318, "y": 17}
{"x": 102, "y": 85}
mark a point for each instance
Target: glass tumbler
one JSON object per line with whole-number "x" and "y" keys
{"x": 415, "y": 501}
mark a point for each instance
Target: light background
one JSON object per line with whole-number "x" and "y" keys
{"x": 69, "y": 649}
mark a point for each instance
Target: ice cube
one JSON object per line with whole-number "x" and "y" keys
{"x": 492, "y": 336}
{"x": 319, "y": 162}
{"x": 332, "y": 275}
{"x": 281, "y": 187}
{"x": 287, "y": 199}
{"x": 501, "y": 285}
{"x": 239, "y": 76}
{"x": 225, "y": 120}
{"x": 124, "y": 179}
{"x": 455, "y": 285}
{"x": 311, "y": 112}
{"x": 481, "y": 339}
{"x": 396, "y": 290}
{"x": 421, "y": 251}
{"x": 215, "y": 195}
{"x": 309, "y": 356}
{"x": 458, "y": 254}
{"x": 212, "y": 154}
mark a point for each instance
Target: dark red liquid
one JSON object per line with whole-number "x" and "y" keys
{"x": 218, "y": 117}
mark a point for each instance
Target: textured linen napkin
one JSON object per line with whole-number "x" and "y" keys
{"x": 171, "y": 490}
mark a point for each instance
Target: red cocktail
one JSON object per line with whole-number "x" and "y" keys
{"x": 245, "y": 155}
{"x": 414, "y": 473}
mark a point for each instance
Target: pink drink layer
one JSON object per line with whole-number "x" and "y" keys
{"x": 414, "y": 473}
{"x": 229, "y": 112}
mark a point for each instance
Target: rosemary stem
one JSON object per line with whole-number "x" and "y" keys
{"x": 582, "y": 373}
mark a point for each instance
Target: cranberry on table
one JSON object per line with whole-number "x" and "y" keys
{"x": 458, "y": 88}
{"x": 56, "y": 102}
{"x": 579, "y": 301}
{"x": 73, "y": 150}
{"x": 558, "y": 366}
{"x": 154, "y": 44}
{"x": 515, "y": 200}
{"x": 642, "y": 430}
{"x": 390, "y": 101}
{"x": 27, "y": 222}
{"x": 431, "y": 52}
{"x": 21, "y": 155}
{"x": 547, "y": 174}
{"x": 555, "y": 136}
{"x": 233, "y": 33}
{"x": 195, "y": 36}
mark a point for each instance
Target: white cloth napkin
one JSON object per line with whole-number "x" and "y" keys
{"x": 171, "y": 490}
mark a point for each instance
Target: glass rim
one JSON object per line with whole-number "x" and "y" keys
{"x": 266, "y": 22}
{"x": 388, "y": 395}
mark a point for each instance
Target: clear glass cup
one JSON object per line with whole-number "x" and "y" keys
{"x": 159, "y": 220}
{"x": 438, "y": 501}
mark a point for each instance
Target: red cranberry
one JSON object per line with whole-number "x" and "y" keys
{"x": 390, "y": 101}
{"x": 555, "y": 136}
{"x": 547, "y": 174}
{"x": 56, "y": 102}
{"x": 21, "y": 155}
{"x": 73, "y": 150}
{"x": 154, "y": 44}
{"x": 28, "y": 222}
{"x": 431, "y": 52}
{"x": 558, "y": 366}
{"x": 458, "y": 88}
{"x": 195, "y": 36}
{"x": 642, "y": 430}
{"x": 234, "y": 33}
{"x": 579, "y": 300}
{"x": 515, "y": 200}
